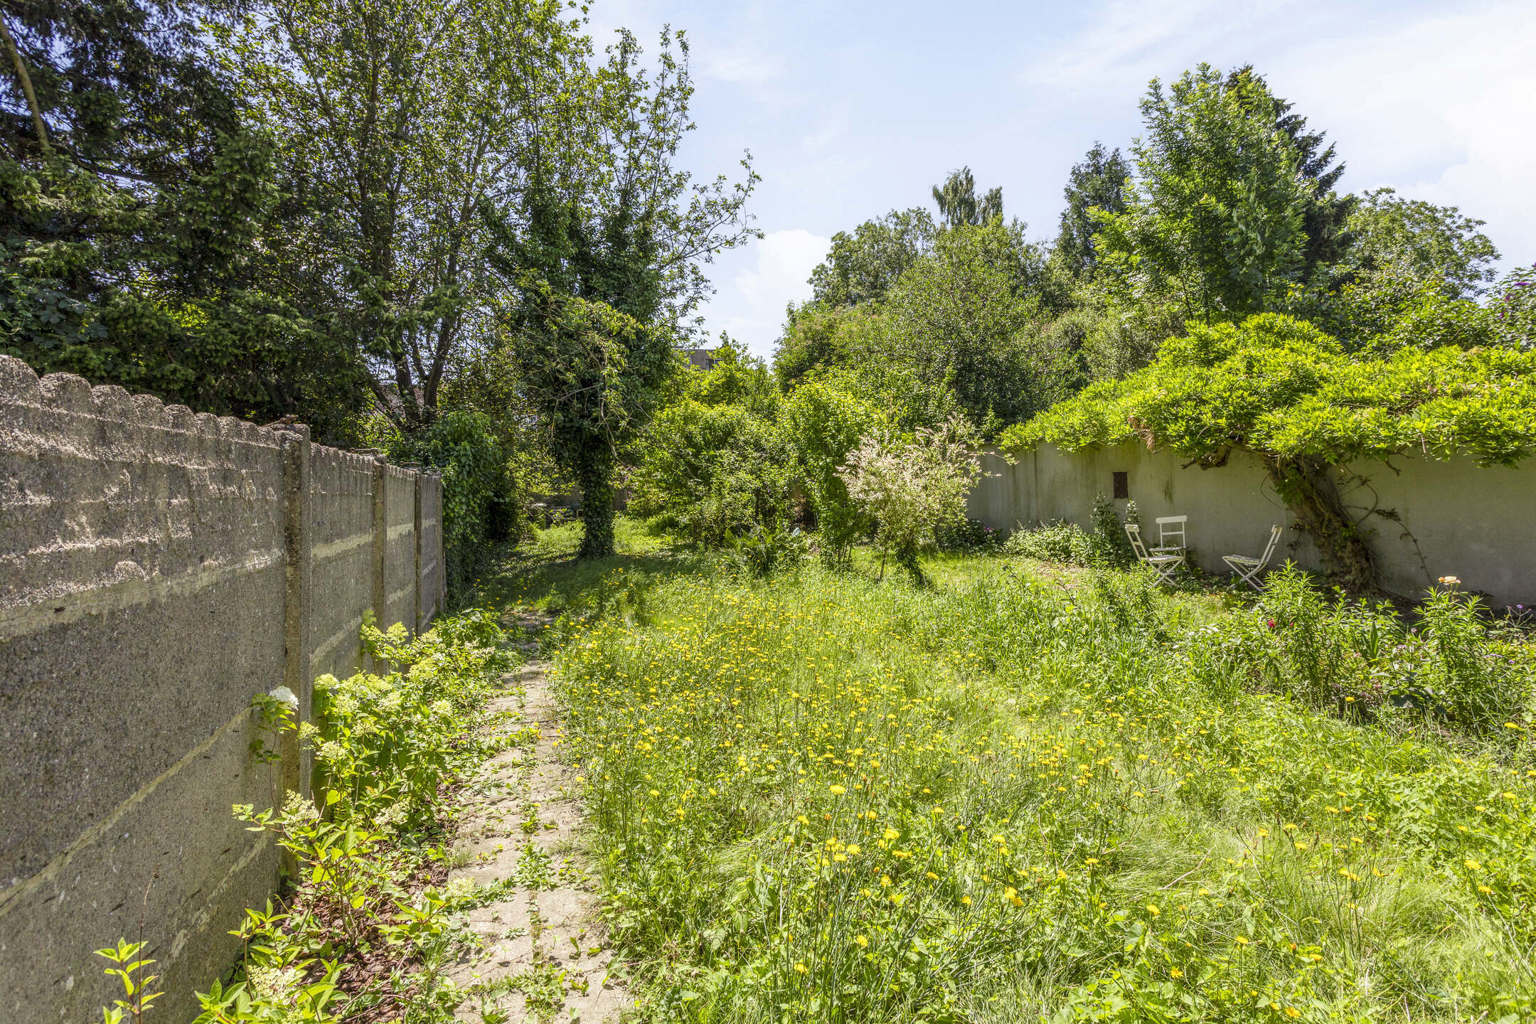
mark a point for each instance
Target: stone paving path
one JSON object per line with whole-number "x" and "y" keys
{"x": 542, "y": 956}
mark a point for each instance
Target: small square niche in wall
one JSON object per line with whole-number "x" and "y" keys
{"x": 1122, "y": 484}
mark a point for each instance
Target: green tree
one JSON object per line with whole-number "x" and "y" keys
{"x": 1325, "y": 214}
{"x": 863, "y": 265}
{"x": 1409, "y": 240}
{"x": 958, "y": 204}
{"x": 601, "y": 259}
{"x": 817, "y": 335}
{"x": 1214, "y": 226}
{"x": 711, "y": 472}
{"x": 963, "y": 316}
{"x": 822, "y": 421}
{"x": 395, "y": 123}
{"x": 139, "y": 222}
{"x": 1096, "y": 183}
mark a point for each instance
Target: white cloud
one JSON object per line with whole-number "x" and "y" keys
{"x": 742, "y": 66}
{"x": 1438, "y": 103}
{"x": 772, "y": 272}
{"x": 1440, "y": 108}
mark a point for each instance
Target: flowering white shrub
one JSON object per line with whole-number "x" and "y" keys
{"x": 912, "y": 488}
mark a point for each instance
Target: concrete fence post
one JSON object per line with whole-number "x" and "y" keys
{"x": 298, "y": 673}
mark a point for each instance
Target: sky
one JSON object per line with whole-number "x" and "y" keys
{"x": 851, "y": 109}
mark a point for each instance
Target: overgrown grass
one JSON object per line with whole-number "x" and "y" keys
{"x": 1018, "y": 798}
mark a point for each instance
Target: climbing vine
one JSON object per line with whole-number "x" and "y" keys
{"x": 1285, "y": 392}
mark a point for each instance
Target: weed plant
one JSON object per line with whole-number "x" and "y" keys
{"x": 388, "y": 746}
{"x": 816, "y": 798}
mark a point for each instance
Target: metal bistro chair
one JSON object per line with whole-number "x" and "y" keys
{"x": 1248, "y": 569}
{"x": 1162, "y": 561}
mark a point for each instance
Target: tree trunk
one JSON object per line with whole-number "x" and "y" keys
{"x": 595, "y": 478}
{"x": 1308, "y": 488}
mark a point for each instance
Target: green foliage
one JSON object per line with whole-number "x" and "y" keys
{"x": 603, "y": 257}
{"x": 1052, "y": 542}
{"x": 1513, "y": 307}
{"x": 1096, "y": 183}
{"x": 911, "y": 489}
{"x": 131, "y": 969}
{"x": 762, "y": 550}
{"x": 479, "y": 507}
{"x": 736, "y": 378}
{"x": 1364, "y": 662}
{"x": 389, "y": 751}
{"x": 1016, "y": 799}
{"x": 958, "y": 204}
{"x": 1107, "y": 541}
{"x": 823, "y": 419}
{"x": 388, "y": 179}
{"x": 1325, "y": 214}
{"x": 864, "y": 265}
{"x": 142, "y": 234}
{"x": 962, "y": 316}
{"x": 1282, "y": 389}
{"x": 1408, "y": 239}
{"x": 708, "y": 472}
{"x": 1214, "y": 223}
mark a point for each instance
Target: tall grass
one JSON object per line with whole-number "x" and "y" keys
{"x": 817, "y": 798}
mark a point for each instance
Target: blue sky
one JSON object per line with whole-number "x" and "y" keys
{"x": 852, "y": 109}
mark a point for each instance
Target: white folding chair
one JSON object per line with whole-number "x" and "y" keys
{"x": 1248, "y": 569}
{"x": 1171, "y": 533}
{"x": 1161, "y": 561}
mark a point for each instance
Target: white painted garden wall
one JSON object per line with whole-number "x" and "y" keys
{"x": 1449, "y": 518}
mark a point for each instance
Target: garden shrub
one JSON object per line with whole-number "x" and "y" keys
{"x": 821, "y": 422}
{"x": 913, "y": 489}
{"x": 479, "y": 504}
{"x": 1056, "y": 541}
{"x": 1107, "y": 542}
{"x": 1451, "y": 668}
{"x": 966, "y": 536}
{"x": 389, "y": 748}
{"x": 708, "y": 472}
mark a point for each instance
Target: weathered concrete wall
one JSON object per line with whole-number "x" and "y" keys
{"x": 158, "y": 570}
{"x": 341, "y": 527}
{"x": 1442, "y": 518}
{"x": 400, "y": 570}
{"x": 429, "y": 542}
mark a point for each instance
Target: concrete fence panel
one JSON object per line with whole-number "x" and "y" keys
{"x": 1426, "y": 518}
{"x": 159, "y": 569}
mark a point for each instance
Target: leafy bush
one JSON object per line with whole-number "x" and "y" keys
{"x": 912, "y": 489}
{"x": 821, "y": 422}
{"x": 765, "y": 549}
{"x": 1051, "y": 542}
{"x": 479, "y": 505}
{"x": 966, "y": 536}
{"x": 707, "y": 472}
{"x": 1449, "y": 669}
{"x": 1107, "y": 542}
